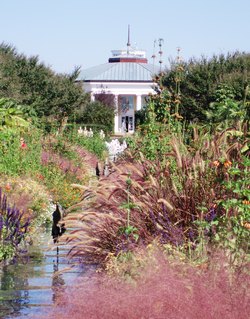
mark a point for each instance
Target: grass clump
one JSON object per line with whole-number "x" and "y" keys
{"x": 163, "y": 290}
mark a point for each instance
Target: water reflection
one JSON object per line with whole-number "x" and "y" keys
{"x": 13, "y": 289}
{"x": 58, "y": 283}
{"x": 31, "y": 285}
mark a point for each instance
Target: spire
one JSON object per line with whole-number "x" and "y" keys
{"x": 128, "y": 43}
{"x": 129, "y": 54}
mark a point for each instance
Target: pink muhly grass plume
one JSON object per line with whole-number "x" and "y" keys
{"x": 64, "y": 164}
{"x": 89, "y": 158}
{"x": 164, "y": 291}
{"x": 45, "y": 158}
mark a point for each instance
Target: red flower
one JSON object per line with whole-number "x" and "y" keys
{"x": 7, "y": 187}
{"x": 40, "y": 176}
{"x": 23, "y": 145}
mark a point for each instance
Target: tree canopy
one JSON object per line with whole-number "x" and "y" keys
{"x": 31, "y": 83}
{"x": 197, "y": 81}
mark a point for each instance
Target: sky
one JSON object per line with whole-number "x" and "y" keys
{"x": 65, "y": 34}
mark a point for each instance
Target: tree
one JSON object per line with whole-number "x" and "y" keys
{"x": 201, "y": 78}
{"x": 98, "y": 114}
{"x": 225, "y": 111}
{"x": 31, "y": 83}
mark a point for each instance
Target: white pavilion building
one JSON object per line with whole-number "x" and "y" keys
{"x": 129, "y": 77}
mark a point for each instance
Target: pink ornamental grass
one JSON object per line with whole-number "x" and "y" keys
{"x": 64, "y": 164}
{"x": 163, "y": 292}
{"x": 87, "y": 157}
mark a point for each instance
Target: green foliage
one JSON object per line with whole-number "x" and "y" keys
{"x": 62, "y": 147}
{"x": 11, "y": 115}
{"x": 162, "y": 119}
{"x": 7, "y": 251}
{"x": 226, "y": 224}
{"x": 94, "y": 144}
{"x": 31, "y": 83}
{"x": 64, "y": 166}
{"x": 97, "y": 113}
{"x": 225, "y": 111}
{"x": 15, "y": 160}
{"x": 152, "y": 138}
{"x": 140, "y": 117}
{"x": 177, "y": 197}
{"x": 161, "y": 102}
{"x": 147, "y": 136}
{"x": 129, "y": 231}
{"x": 59, "y": 185}
{"x": 201, "y": 78}
{"x": 30, "y": 195}
{"x": 232, "y": 226}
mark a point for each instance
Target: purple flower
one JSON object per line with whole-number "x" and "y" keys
{"x": 211, "y": 215}
{"x": 1, "y": 222}
{"x": 11, "y": 218}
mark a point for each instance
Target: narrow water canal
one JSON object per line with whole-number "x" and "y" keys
{"x": 31, "y": 286}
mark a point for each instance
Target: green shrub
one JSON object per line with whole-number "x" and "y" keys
{"x": 15, "y": 160}
{"x": 98, "y": 114}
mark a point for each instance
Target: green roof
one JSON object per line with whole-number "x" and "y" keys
{"x": 119, "y": 72}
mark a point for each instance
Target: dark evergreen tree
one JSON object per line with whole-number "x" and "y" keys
{"x": 199, "y": 79}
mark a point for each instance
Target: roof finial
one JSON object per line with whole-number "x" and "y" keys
{"x": 128, "y": 44}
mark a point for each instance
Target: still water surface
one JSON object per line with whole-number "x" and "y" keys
{"x": 31, "y": 286}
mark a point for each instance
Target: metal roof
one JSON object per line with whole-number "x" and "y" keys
{"x": 120, "y": 72}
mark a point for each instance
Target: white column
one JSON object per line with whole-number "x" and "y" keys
{"x": 92, "y": 97}
{"x": 138, "y": 102}
{"x": 116, "y": 128}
